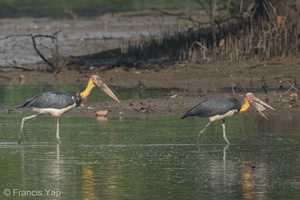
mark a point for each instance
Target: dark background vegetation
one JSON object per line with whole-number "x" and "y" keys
{"x": 85, "y": 8}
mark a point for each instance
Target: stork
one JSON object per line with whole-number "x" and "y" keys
{"x": 58, "y": 103}
{"x": 222, "y": 108}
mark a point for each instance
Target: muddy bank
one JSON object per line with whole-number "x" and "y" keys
{"x": 273, "y": 75}
{"x": 192, "y": 83}
{"x": 173, "y": 107}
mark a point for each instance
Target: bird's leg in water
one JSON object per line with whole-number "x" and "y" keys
{"x": 224, "y": 132}
{"x": 22, "y": 125}
{"x": 200, "y": 133}
{"x": 57, "y": 130}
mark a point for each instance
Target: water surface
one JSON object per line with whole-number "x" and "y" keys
{"x": 147, "y": 158}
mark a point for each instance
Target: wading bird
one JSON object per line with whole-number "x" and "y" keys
{"x": 222, "y": 108}
{"x": 58, "y": 103}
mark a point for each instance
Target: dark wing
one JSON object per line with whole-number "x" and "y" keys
{"x": 212, "y": 107}
{"x": 56, "y": 100}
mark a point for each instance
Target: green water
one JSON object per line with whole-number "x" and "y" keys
{"x": 146, "y": 158}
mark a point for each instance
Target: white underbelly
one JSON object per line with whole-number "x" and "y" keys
{"x": 53, "y": 111}
{"x": 226, "y": 115}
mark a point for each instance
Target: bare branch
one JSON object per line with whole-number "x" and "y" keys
{"x": 17, "y": 35}
{"x": 38, "y": 51}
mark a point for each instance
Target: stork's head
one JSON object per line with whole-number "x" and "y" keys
{"x": 94, "y": 81}
{"x": 257, "y": 103}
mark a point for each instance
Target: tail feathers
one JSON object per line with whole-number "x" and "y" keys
{"x": 23, "y": 104}
{"x": 26, "y": 103}
{"x": 189, "y": 113}
{"x": 185, "y": 116}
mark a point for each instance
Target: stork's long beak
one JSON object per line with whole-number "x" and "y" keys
{"x": 98, "y": 82}
{"x": 258, "y": 104}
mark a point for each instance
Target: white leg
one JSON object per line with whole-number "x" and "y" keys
{"x": 22, "y": 125}
{"x": 57, "y": 130}
{"x": 224, "y": 153}
{"x": 199, "y": 135}
{"x": 224, "y": 132}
